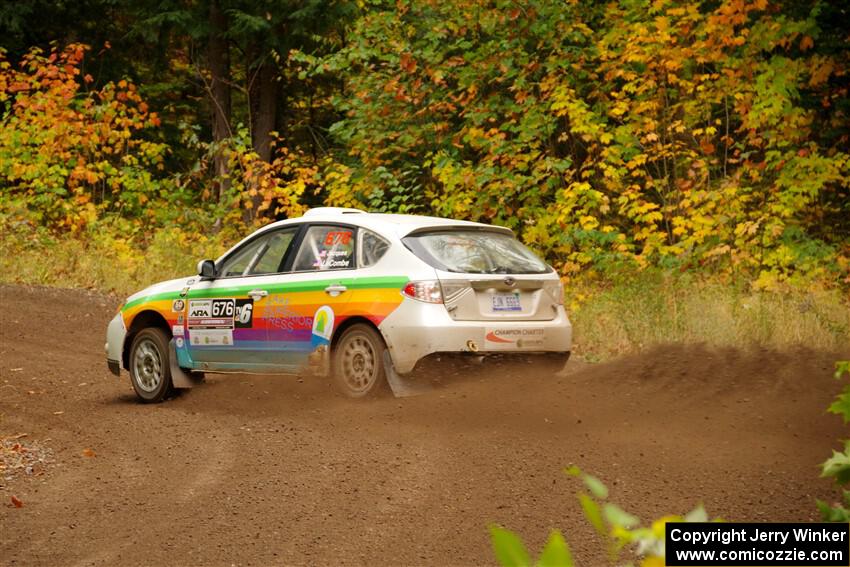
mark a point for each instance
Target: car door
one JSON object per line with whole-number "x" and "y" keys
{"x": 227, "y": 317}
{"x": 308, "y": 304}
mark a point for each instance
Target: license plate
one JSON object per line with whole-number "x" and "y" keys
{"x": 506, "y": 302}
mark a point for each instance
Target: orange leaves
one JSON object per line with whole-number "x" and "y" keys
{"x": 88, "y": 453}
{"x": 407, "y": 63}
{"x": 706, "y": 146}
{"x": 82, "y": 139}
{"x": 16, "y": 502}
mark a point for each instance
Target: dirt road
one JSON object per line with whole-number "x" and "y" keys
{"x": 258, "y": 470}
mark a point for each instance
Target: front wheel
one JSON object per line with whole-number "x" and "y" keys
{"x": 358, "y": 362}
{"x": 150, "y": 372}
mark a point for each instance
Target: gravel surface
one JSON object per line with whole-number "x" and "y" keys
{"x": 252, "y": 470}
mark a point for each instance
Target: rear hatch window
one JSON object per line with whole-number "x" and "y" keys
{"x": 488, "y": 276}
{"x": 475, "y": 252}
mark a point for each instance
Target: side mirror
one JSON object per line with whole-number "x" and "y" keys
{"x": 206, "y": 269}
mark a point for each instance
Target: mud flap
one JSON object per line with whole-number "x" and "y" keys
{"x": 402, "y": 387}
{"x": 179, "y": 377}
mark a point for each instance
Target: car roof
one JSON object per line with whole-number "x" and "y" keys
{"x": 400, "y": 225}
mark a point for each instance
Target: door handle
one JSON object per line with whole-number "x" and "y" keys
{"x": 257, "y": 294}
{"x": 335, "y": 289}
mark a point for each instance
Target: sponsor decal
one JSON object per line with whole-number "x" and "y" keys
{"x": 210, "y": 323}
{"x": 323, "y": 326}
{"x": 281, "y": 315}
{"x": 200, "y": 308}
{"x": 179, "y": 342}
{"x": 494, "y": 338}
{"x": 177, "y": 330}
{"x": 244, "y": 314}
{"x": 226, "y": 313}
{"x": 509, "y": 339}
{"x": 211, "y": 337}
{"x": 178, "y": 305}
{"x": 180, "y": 319}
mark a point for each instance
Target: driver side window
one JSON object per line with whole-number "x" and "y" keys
{"x": 263, "y": 255}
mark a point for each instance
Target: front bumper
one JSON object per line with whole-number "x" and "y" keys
{"x": 416, "y": 329}
{"x": 115, "y": 334}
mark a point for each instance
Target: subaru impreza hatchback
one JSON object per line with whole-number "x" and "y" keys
{"x": 359, "y": 296}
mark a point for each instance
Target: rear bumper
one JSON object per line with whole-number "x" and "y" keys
{"x": 416, "y": 329}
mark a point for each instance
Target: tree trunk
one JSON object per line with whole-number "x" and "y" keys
{"x": 264, "y": 92}
{"x": 219, "y": 91}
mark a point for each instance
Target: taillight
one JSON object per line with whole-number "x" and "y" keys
{"x": 560, "y": 298}
{"x": 427, "y": 291}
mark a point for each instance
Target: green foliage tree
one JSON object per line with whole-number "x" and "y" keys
{"x": 837, "y": 467}
{"x": 696, "y": 135}
{"x": 621, "y": 532}
{"x": 656, "y": 132}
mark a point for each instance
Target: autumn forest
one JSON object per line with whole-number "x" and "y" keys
{"x": 702, "y": 138}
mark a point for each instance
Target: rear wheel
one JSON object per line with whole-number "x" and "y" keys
{"x": 150, "y": 372}
{"x": 358, "y": 362}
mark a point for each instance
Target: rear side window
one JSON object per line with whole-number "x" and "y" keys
{"x": 475, "y": 252}
{"x": 326, "y": 248}
{"x": 372, "y": 248}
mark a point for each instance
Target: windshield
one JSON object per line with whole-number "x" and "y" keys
{"x": 475, "y": 252}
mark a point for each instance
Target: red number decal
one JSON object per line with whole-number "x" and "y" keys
{"x": 338, "y": 238}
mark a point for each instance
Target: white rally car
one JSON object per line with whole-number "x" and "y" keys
{"x": 363, "y": 297}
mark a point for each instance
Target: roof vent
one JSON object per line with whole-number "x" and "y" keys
{"x": 333, "y": 211}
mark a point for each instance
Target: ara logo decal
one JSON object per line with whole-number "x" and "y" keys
{"x": 323, "y": 325}
{"x": 202, "y": 308}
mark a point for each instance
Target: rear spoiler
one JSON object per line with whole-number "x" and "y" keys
{"x": 460, "y": 228}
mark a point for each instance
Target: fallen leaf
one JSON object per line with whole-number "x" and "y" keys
{"x": 88, "y": 453}
{"x": 17, "y": 502}
{"x": 58, "y": 412}
{"x": 15, "y": 369}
